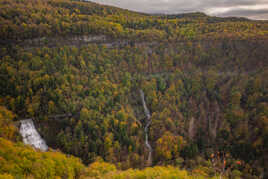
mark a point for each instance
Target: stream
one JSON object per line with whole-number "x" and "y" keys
{"x": 148, "y": 123}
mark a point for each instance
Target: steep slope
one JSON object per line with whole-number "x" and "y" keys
{"x": 21, "y": 161}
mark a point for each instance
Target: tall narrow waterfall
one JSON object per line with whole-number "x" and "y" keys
{"x": 148, "y": 123}
{"x": 31, "y": 136}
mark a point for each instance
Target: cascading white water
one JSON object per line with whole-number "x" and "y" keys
{"x": 149, "y": 121}
{"x": 31, "y": 136}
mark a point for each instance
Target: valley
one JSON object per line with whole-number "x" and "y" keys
{"x": 121, "y": 94}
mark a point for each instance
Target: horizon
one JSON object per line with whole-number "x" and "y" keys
{"x": 251, "y": 9}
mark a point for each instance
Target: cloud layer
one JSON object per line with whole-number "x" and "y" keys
{"x": 254, "y": 9}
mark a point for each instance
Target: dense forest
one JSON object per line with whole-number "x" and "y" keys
{"x": 77, "y": 68}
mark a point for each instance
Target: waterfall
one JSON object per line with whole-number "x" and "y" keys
{"x": 31, "y": 136}
{"x": 148, "y": 123}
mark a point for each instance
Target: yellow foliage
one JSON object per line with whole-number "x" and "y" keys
{"x": 7, "y": 128}
{"x": 6, "y": 176}
{"x": 168, "y": 146}
{"x": 20, "y": 161}
{"x": 96, "y": 170}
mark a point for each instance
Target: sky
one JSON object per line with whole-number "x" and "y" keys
{"x": 253, "y": 9}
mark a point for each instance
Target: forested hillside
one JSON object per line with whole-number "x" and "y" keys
{"x": 77, "y": 69}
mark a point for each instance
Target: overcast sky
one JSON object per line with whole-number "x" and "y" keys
{"x": 254, "y": 9}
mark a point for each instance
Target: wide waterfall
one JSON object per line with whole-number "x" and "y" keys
{"x": 148, "y": 123}
{"x": 31, "y": 136}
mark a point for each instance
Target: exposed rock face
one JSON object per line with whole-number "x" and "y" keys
{"x": 31, "y": 136}
{"x": 90, "y": 38}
